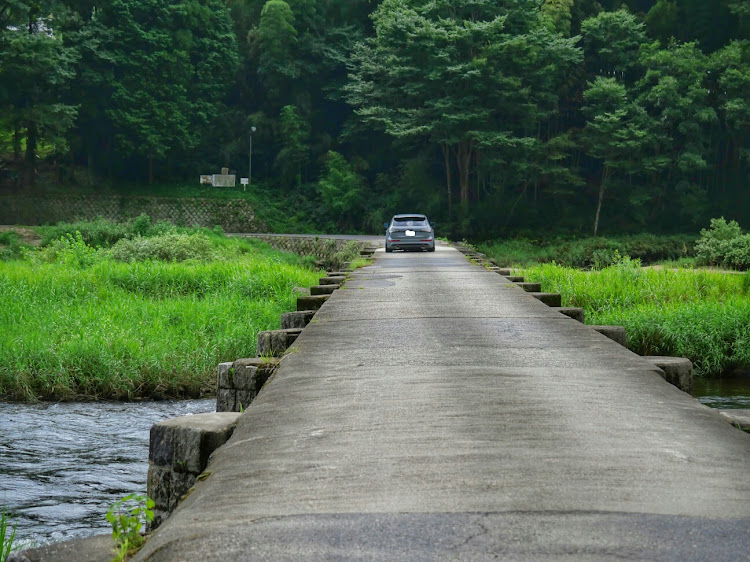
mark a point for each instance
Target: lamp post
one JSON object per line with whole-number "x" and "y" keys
{"x": 250, "y": 158}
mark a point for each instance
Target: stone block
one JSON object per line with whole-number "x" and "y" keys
{"x": 573, "y": 312}
{"x": 531, "y": 287}
{"x": 514, "y": 278}
{"x": 311, "y": 303}
{"x": 244, "y": 399}
{"x": 265, "y": 366}
{"x": 226, "y": 400}
{"x": 298, "y": 320}
{"x": 677, "y": 370}
{"x": 504, "y": 271}
{"x": 159, "y": 485}
{"x": 274, "y": 343}
{"x": 245, "y": 377}
{"x": 181, "y": 483}
{"x": 550, "y": 299}
{"x": 323, "y": 289}
{"x": 225, "y": 375}
{"x": 185, "y": 443}
{"x": 336, "y": 274}
{"x": 615, "y": 333}
{"x": 332, "y": 280}
{"x": 738, "y": 418}
{"x": 161, "y": 445}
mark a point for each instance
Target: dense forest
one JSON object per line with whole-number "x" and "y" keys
{"x": 492, "y": 116}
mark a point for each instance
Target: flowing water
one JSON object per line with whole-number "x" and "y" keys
{"x": 62, "y": 465}
{"x": 730, "y": 391}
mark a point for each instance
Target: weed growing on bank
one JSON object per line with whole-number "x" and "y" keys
{"x": 81, "y": 322}
{"x": 698, "y": 314}
{"x": 591, "y": 252}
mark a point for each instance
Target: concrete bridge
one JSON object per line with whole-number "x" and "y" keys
{"x": 433, "y": 410}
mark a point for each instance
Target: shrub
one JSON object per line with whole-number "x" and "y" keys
{"x": 723, "y": 244}
{"x": 167, "y": 247}
{"x": 70, "y": 250}
{"x": 100, "y": 232}
{"x": 595, "y": 253}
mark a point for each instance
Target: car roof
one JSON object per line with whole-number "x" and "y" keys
{"x": 415, "y": 215}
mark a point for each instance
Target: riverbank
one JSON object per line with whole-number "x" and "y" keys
{"x": 699, "y": 314}
{"x": 142, "y": 317}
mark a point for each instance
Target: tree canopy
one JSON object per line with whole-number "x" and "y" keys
{"x": 493, "y": 116}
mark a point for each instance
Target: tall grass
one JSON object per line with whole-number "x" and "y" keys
{"x": 701, "y": 315}
{"x": 100, "y": 328}
{"x": 589, "y": 252}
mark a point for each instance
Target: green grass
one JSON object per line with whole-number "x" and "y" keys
{"x": 78, "y": 324}
{"x": 590, "y": 252}
{"x": 698, "y": 314}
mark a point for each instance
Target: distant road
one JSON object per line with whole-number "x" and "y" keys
{"x": 357, "y": 237}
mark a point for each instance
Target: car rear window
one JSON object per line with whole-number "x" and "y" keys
{"x": 410, "y": 221}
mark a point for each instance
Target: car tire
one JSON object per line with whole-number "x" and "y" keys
{"x": 431, "y": 249}
{"x": 388, "y": 250}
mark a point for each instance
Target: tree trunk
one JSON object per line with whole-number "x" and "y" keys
{"x": 30, "y": 163}
{"x": 16, "y": 143}
{"x": 90, "y": 166}
{"x": 602, "y": 189}
{"x": 463, "y": 160}
{"x": 447, "y": 158}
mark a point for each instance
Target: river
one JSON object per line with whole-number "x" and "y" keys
{"x": 63, "y": 464}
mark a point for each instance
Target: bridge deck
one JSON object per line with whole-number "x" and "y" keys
{"x": 433, "y": 410}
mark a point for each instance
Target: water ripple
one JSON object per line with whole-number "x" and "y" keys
{"x": 62, "y": 465}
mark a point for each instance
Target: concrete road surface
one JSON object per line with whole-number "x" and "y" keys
{"x": 435, "y": 411}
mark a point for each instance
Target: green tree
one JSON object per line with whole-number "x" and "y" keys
{"x": 294, "y": 155}
{"x": 472, "y": 78}
{"x": 673, "y": 93}
{"x": 611, "y": 42}
{"x": 171, "y": 64}
{"x": 341, "y": 189}
{"x": 274, "y": 44}
{"x": 615, "y": 133}
{"x": 35, "y": 71}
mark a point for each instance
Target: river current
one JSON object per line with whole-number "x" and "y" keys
{"x": 63, "y": 464}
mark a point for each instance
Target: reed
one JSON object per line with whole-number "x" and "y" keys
{"x": 118, "y": 330}
{"x": 699, "y": 314}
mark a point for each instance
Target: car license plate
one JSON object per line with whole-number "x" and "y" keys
{"x": 411, "y": 233}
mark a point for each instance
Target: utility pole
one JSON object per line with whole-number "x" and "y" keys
{"x": 250, "y": 158}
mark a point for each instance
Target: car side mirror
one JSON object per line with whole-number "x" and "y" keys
{"x": 385, "y": 225}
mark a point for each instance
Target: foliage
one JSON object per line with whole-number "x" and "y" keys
{"x": 724, "y": 244}
{"x": 348, "y": 253}
{"x": 701, "y": 315}
{"x": 172, "y": 246}
{"x": 588, "y": 252}
{"x": 493, "y": 117}
{"x": 102, "y": 232}
{"x": 83, "y": 325}
{"x": 341, "y": 188}
{"x": 127, "y": 517}
{"x": 10, "y": 245}
{"x": 70, "y": 250}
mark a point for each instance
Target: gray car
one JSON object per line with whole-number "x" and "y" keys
{"x": 409, "y": 231}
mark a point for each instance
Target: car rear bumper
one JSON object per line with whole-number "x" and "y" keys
{"x": 404, "y": 244}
